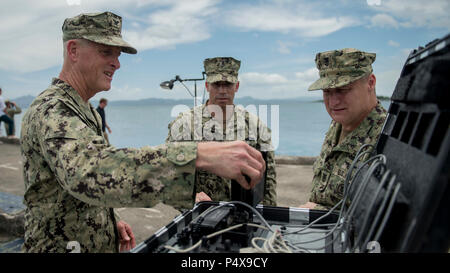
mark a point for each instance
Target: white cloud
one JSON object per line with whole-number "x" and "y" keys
{"x": 183, "y": 22}
{"x": 262, "y": 78}
{"x": 388, "y": 72}
{"x": 31, "y": 30}
{"x": 418, "y": 13}
{"x": 373, "y": 2}
{"x": 309, "y": 75}
{"x": 384, "y": 20}
{"x": 284, "y": 47}
{"x": 29, "y": 39}
{"x": 272, "y": 85}
{"x": 386, "y": 81}
{"x": 300, "y": 18}
{"x": 393, "y": 43}
{"x": 73, "y": 2}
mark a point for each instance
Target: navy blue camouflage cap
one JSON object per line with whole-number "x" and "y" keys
{"x": 103, "y": 28}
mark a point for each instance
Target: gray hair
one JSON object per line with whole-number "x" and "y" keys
{"x": 82, "y": 42}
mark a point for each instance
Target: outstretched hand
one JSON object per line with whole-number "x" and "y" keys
{"x": 232, "y": 160}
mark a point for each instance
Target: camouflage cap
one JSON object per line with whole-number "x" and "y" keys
{"x": 222, "y": 69}
{"x": 338, "y": 68}
{"x": 103, "y": 28}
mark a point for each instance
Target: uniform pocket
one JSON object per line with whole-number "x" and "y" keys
{"x": 321, "y": 178}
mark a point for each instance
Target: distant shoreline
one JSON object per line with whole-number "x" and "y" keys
{"x": 25, "y": 101}
{"x": 380, "y": 98}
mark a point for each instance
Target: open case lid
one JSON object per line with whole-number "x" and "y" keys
{"x": 416, "y": 142}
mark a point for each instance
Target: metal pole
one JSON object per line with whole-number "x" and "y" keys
{"x": 195, "y": 93}
{"x": 177, "y": 78}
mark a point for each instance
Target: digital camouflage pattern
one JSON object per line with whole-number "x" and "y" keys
{"x": 198, "y": 125}
{"x": 103, "y": 28}
{"x": 222, "y": 69}
{"x": 333, "y": 163}
{"x": 73, "y": 179}
{"x": 338, "y": 68}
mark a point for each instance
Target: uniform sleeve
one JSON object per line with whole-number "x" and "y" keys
{"x": 270, "y": 193}
{"x": 265, "y": 144}
{"x": 180, "y": 128}
{"x": 320, "y": 172}
{"x": 116, "y": 216}
{"x": 103, "y": 175}
{"x": 169, "y": 134}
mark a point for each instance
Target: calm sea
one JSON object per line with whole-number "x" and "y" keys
{"x": 302, "y": 125}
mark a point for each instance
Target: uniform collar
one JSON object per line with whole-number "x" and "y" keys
{"x": 347, "y": 145}
{"x": 86, "y": 108}
{"x": 71, "y": 92}
{"x": 207, "y": 114}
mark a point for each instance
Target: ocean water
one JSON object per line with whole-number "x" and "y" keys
{"x": 302, "y": 125}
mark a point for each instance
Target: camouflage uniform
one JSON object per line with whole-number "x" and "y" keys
{"x": 337, "y": 69}
{"x": 185, "y": 128}
{"x": 73, "y": 179}
{"x": 332, "y": 165}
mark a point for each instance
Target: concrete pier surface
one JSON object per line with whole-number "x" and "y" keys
{"x": 294, "y": 175}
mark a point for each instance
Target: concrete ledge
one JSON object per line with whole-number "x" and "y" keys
{"x": 13, "y": 224}
{"x": 9, "y": 140}
{"x": 295, "y": 160}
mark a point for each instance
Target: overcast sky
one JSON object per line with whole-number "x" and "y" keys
{"x": 276, "y": 40}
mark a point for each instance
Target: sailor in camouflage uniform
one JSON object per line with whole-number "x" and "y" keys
{"x": 349, "y": 96}
{"x": 73, "y": 178}
{"x": 222, "y": 84}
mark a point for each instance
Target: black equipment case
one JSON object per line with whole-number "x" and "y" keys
{"x": 416, "y": 142}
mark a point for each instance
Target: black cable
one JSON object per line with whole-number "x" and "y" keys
{"x": 359, "y": 154}
{"x": 362, "y": 187}
{"x": 370, "y": 207}
{"x": 347, "y": 181}
{"x": 389, "y": 210}
{"x": 203, "y": 97}
{"x": 315, "y": 226}
{"x": 344, "y": 214}
{"x": 355, "y": 202}
{"x": 245, "y": 205}
{"x": 380, "y": 209}
{"x": 318, "y": 239}
{"x": 348, "y": 215}
{"x": 318, "y": 219}
{"x": 346, "y": 193}
{"x": 187, "y": 89}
